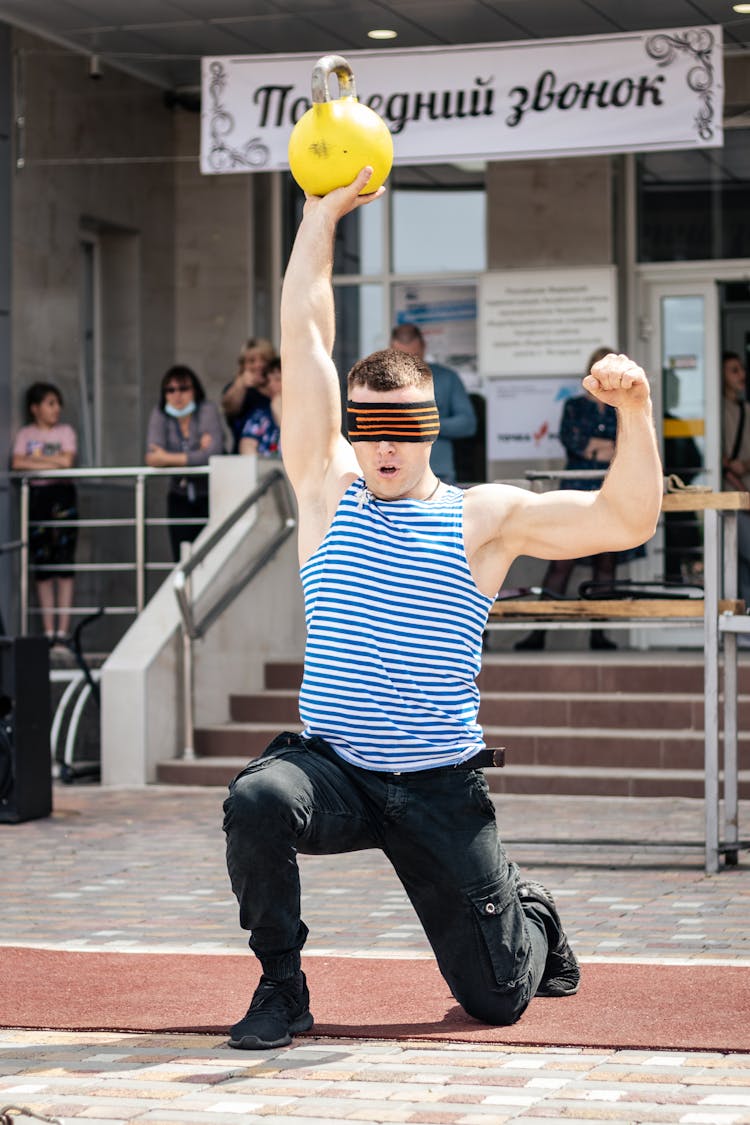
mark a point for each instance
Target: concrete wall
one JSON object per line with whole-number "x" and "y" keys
{"x": 556, "y": 213}
{"x": 110, "y": 160}
{"x": 98, "y": 159}
{"x": 549, "y": 213}
{"x": 7, "y": 567}
{"x": 104, "y": 164}
{"x": 212, "y": 262}
{"x": 142, "y": 704}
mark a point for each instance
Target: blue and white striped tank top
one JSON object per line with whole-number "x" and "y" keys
{"x": 394, "y": 634}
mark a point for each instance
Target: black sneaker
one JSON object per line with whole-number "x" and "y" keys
{"x": 561, "y": 975}
{"x": 279, "y": 1009}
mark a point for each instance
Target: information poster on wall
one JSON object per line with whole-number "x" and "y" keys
{"x": 545, "y": 322}
{"x": 447, "y": 317}
{"x": 523, "y": 417}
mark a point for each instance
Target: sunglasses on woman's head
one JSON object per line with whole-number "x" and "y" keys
{"x": 177, "y": 388}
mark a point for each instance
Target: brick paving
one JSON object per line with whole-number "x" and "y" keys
{"x": 143, "y": 870}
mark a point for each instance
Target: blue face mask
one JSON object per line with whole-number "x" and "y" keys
{"x": 173, "y": 412}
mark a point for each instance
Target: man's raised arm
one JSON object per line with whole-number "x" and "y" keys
{"x": 569, "y": 524}
{"x": 311, "y": 399}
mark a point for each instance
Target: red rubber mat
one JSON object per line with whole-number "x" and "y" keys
{"x": 687, "y": 1007}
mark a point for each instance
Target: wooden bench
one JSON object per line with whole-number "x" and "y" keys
{"x": 602, "y": 609}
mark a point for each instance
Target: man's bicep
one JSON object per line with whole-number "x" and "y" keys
{"x": 556, "y": 525}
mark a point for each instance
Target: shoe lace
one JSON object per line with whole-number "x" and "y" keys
{"x": 269, "y": 994}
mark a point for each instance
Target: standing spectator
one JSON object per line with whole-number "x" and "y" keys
{"x": 588, "y": 431}
{"x": 736, "y": 456}
{"x": 46, "y": 443}
{"x": 457, "y": 417}
{"x": 262, "y": 429}
{"x": 245, "y": 393}
{"x": 184, "y": 429}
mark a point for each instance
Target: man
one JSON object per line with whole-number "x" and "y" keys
{"x": 736, "y": 458}
{"x": 457, "y": 417}
{"x": 399, "y": 572}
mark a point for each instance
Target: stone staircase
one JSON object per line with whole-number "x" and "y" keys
{"x": 618, "y": 724}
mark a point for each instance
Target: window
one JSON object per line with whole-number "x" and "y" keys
{"x": 692, "y": 205}
{"x": 431, "y": 227}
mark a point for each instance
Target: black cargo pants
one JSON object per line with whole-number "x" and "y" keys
{"x": 437, "y": 828}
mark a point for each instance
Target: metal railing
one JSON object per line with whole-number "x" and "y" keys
{"x": 193, "y": 629}
{"x": 140, "y": 565}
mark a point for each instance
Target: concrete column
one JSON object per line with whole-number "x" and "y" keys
{"x": 6, "y": 411}
{"x": 212, "y": 268}
{"x": 549, "y": 213}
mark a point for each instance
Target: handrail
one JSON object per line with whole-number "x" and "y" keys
{"x": 565, "y": 474}
{"x": 185, "y": 569}
{"x": 116, "y": 471}
{"x": 137, "y": 475}
{"x": 191, "y": 629}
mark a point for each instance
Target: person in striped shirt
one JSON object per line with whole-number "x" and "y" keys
{"x": 399, "y": 571}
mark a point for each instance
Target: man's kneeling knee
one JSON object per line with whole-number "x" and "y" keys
{"x": 499, "y": 1009}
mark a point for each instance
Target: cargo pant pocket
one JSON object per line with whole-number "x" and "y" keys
{"x": 502, "y": 934}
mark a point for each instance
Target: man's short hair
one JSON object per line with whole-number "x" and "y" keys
{"x": 390, "y": 369}
{"x": 406, "y": 334}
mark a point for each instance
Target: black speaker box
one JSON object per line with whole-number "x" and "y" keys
{"x": 25, "y": 739}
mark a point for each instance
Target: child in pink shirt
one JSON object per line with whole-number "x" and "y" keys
{"x": 46, "y": 443}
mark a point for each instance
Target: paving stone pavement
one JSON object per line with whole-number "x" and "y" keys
{"x": 144, "y": 870}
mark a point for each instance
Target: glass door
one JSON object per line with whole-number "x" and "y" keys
{"x": 681, "y": 322}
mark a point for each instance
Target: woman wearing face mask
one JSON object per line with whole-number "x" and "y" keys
{"x": 184, "y": 429}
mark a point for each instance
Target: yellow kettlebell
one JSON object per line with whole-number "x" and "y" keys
{"x": 335, "y": 139}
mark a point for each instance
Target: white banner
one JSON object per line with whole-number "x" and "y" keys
{"x": 545, "y": 321}
{"x": 636, "y": 91}
{"x": 523, "y": 417}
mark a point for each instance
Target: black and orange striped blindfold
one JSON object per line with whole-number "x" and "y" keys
{"x": 392, "y": 421}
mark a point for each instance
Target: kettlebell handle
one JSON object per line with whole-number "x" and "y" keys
{"x": 322, "y": 71}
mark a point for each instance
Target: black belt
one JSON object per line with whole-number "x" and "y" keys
{"x": 490, "y": 756}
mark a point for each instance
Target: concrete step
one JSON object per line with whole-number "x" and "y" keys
{"x": 614, "y": 710}
{"x": 554, "y": 747}
{"x": 265, "y": 707}
{"x": 593, "y": 782}
{"x": 615, "y": 724}
{"x": 570, "y": 781}
{"x": 575, "y": 671}
{"x": 237, "y": 739}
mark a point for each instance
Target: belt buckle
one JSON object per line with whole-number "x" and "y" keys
{"x": 497, "y": 755}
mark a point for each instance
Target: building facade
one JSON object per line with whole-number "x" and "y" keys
{"x": 121, "y": 258}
